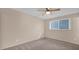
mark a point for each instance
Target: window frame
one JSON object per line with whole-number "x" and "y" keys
{"x": 69, "y": 27}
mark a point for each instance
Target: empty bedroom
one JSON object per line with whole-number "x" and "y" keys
{"x": 39, "y": 28}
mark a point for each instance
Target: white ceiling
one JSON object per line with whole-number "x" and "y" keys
{"x": 37, "y": 13}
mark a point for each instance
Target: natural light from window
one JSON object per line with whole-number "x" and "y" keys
{"x": 62, "y": 24}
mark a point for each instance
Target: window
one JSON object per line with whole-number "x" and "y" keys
{"x": 63, "y": 24}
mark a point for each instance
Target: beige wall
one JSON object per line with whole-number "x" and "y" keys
{"x": 17, "y": 28}
{"x": 0, "y": 31}
{"x": 65, "y": 35}
{"x": 76, "y": 30}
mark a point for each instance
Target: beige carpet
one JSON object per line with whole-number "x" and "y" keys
{"x": 45, "y": 44}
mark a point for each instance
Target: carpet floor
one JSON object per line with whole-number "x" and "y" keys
{"x": 45, "y": 44}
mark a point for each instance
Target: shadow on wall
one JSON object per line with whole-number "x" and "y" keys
{"x": 18, "y": 28}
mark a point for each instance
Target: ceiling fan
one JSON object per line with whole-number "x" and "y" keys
{"x": 47, "y": 11}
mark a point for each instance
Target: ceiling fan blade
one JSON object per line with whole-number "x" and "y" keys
{"x": 42, "y": 9}
{"x": 56, "y": 9}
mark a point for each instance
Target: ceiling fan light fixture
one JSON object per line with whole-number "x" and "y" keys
{"x": 48, "y": 12}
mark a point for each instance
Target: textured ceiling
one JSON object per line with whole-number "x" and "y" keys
{"x": 37, "y": 13}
